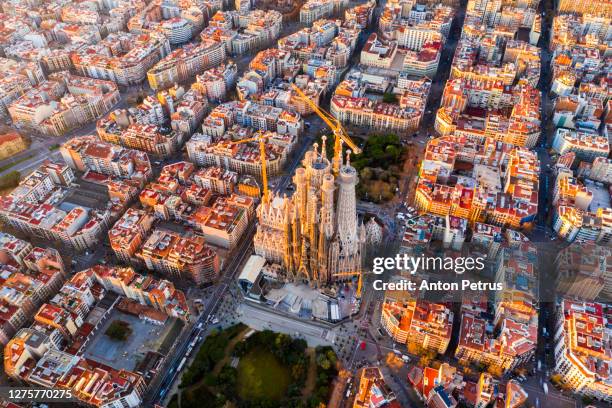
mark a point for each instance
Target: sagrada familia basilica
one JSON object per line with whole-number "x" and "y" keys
{"x": 314, "y": 234}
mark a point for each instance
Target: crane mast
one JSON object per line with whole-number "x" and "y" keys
{"x": 261, "y": 138}
{"x": 340, "y": 134}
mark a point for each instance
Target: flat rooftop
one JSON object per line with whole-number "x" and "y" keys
{"x": 601, "y": 196}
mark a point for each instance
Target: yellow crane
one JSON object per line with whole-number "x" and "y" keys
{"x": 261, "y": 138}
{"x": 340, "y": 134}
{"x": 359, "y": 282}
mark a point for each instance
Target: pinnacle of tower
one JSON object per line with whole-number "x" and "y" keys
{"x": 324, "y": 147}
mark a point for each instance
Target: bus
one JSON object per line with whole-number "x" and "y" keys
{"x": 181, "y": 364}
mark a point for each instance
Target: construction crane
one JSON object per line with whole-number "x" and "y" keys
{"x": 261, "y": 138}
{"x": 340, "y": 134}
{"x": 359, "y": 282}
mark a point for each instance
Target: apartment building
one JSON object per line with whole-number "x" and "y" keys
{"x": 378, "y": 53}
{"x": 188, "y": 112}
{"x": 180, "y": 256}
{"x": 63, "y": 103}
{"x": 417, "y": 322}
{"x": 244, "y": 30}
{"x": 595, "y": 7}
{"x": 509, "y": 339}
{"x": 599, "y": 170}
{"x": 31, "y": 275}
{"x": 487, "y": 195}
{"x": 373, "y": 391}
{"x": 574, "y": 224}
{"x": 56, "y": 369}
{"x": 587, "y": 146}
{"x": 412, "y": 25}
{"x": 184, "y": 63}
{"x": 180, "y": 194}
{"x": 177, "y": 30}
{"x": 327, "y": 41}
{"x": 158, "y": 294}
{"x": 122, "y": 128}
{"x": 11, "y": 144}
{"x": 131, "y": 57}
{"x": 16, "y": 78}
{"x": 89, "y": 153}
{"x": 215, "y": 82}
{"x": 216, "y": 179}
{"x": 581, "y": 348}
{"x": 360, "y": 16}
{"x": 363, "y": 111}
{"x": 584, "y": 271}
{"x": 33, "y": 356}
{"x": 423, "y": 63}
{"x": 243, "y": 158}
{"x": 314, "y": 10}
{"x": 255, "y": 115}
{"x": 129, "y": 232}
{"x": 34, "y": 208}
{"x": 569, "y": 191}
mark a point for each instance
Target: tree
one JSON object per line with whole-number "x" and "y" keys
{"x": 366, "y": 174}
{"x": 323, "y": 362}
{"x": 415, "y": 349}
{"x": 297, "y": 371}
{"x": 555, "y": 379}
{"x": 119, "y": 330}
{"x": 424, "y": 361}
{"x": 520, "y": 371}
{"x": 389, "y": 97}
{"x": 240, "y": 349}
{"x": 495, "y": 371}
{"x": 173, "y": 401}
{"x": 210, "y": 379}
{"x": 332, "y": 357}
{"x": 393, "y": 151}
{"x": 322, "y": 392}
{"x": 10, "y": 180}
{"x": 387, "y": 192}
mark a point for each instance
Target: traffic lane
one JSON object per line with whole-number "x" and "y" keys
{"x": 552, "y": 399}
{"x": 41, "y": 143}
{"x": 209, "y": 310}
{"x": 28, "y": 166}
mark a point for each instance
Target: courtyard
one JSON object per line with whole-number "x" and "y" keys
{"x": 126, "y": 354}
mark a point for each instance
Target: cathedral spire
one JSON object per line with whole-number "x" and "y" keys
{"x": 323, "y": 147}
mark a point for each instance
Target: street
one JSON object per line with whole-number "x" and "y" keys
{"x": 44, "y": 147}
{"x": 158, "y": 389}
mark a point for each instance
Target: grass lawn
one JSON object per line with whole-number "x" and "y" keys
{"x": 261, "y": 376}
